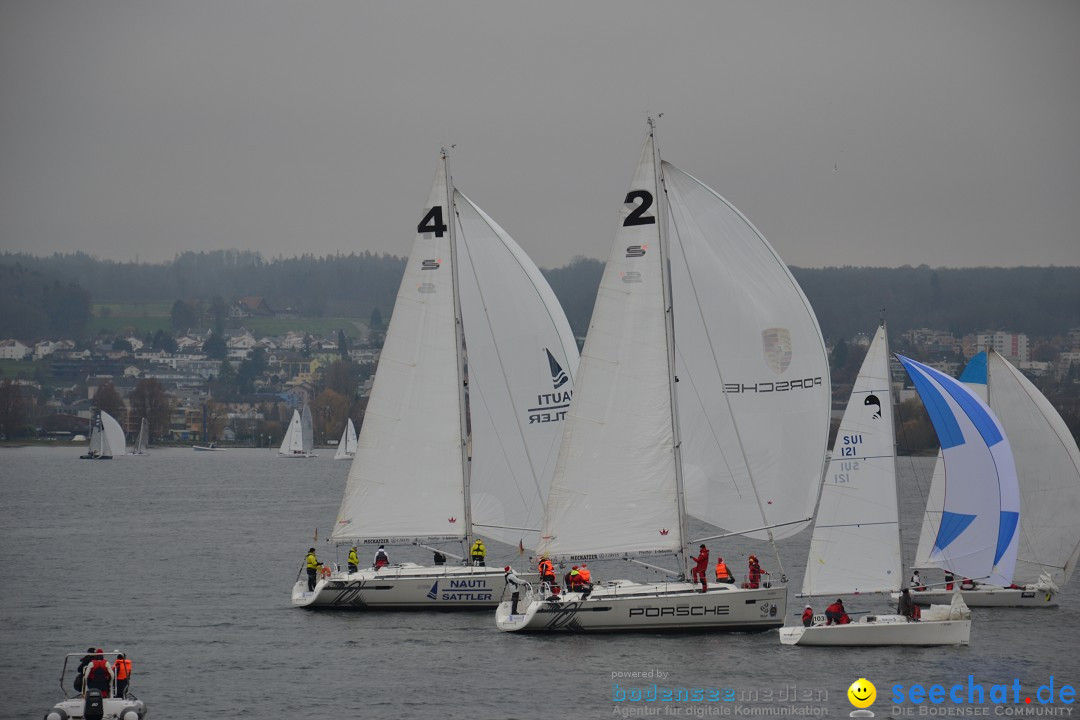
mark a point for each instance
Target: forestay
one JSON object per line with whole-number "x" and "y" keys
{"x": 856, "y": 543}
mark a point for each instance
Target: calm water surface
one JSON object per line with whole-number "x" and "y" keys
{"x": 185, "y": 561}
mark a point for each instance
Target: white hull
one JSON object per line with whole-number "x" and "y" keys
{"x": 296, "y": 455}
{"x": 122, "y": 708}
{"x": 880, "y": 630}
{"x": 990, "y": 597}
{"x": 403, "y": 587}
{"x": 623, "y": 605}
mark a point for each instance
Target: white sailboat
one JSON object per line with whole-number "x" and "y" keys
{"x": 470, "y": 297}
{"x": 856, "y": 544}
{"x": 106, "y": 438}
{"x": 691, "y": 294}
{"x": 142, "y": 440}
{"x": 299, "y": 441}
{"x": 346, "y": 448}
{"x": 1048, "y": 468}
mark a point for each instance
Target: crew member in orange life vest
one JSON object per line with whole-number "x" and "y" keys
{"x": 546, "y": 570}
{"x": 701, "y": 566}
{"x": 723, "y": 575}
{"x": 586, "y": 579}
{"x": 808, "y": 616}
{"x": 122, "y": 670}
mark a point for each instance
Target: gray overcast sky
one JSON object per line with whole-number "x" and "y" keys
{"x": 851, "y": 132}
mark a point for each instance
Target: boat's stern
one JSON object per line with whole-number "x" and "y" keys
{"x": 791, "y": 635}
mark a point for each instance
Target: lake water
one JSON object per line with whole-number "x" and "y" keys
{"x": 185, "y": 561}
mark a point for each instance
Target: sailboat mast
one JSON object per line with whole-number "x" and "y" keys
{"x": 669, "y": 327}
{"x": 459, "y": 339}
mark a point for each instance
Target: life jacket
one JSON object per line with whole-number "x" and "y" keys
{"x": 575, "y": 579}
{"x": 546, "y": 568}
{"x": 381, "y": 558}
{"x": 98, "y": 677}
{"x": 312, "y": 561}
{"x": 353, "y": 559}
{"x": 722, "y": 573}
{"x": 478, "y": 549}
{"x": 586, "y": 576}
{"x": 122, "y": 668}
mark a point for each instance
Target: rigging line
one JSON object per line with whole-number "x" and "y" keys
{"x": 716, "y": 364}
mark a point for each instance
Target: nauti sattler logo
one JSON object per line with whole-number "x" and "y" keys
{"x": 551, "y": 407}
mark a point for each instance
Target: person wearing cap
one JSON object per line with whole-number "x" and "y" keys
{"x": 83, "y": 662}
{"x": 701, "y": 567}
{"x": 312, "y": 564}
{"x": 122, "y": 670}
{"x": 808, "y": 616}
{"x": 723, "y": 575}
{"x": 511, "y": 579}
{"x": 381, "y": 558}
{"x": 354, "y": 560}
{"x": 478, "y": 553}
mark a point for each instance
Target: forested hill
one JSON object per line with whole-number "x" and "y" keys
{"x": 1040, "y": 301}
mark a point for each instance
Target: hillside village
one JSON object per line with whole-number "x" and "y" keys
{"x": 232, "y": 386}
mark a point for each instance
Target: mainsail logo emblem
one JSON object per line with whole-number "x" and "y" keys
{"x": 873, "y": 400}
{"x": 558, "y": 375}
{"x": 776, "y": 343}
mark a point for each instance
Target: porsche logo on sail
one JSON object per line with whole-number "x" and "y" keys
{"x": 776, "y": 343}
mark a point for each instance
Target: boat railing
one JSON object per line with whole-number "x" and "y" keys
{"x": 72, "y": 694}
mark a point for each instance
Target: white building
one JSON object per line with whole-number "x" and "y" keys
{"x": 1013, "y": 346}
{"x": 13, "y": 350}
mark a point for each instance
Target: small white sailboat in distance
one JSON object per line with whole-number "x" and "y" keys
{"x": 299, "y": 441}
{"x": 106, "y": 438}
{"x": 142, "y": 440}
{"x": 1048, "y": 469}
{"x": 469, "y": 298}
{"x": 684, "y": 264}
{"x": 346, "y": 448}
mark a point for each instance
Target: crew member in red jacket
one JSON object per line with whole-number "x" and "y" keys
{"x": 701, "y": 567}
{"x": 808, "y": 616}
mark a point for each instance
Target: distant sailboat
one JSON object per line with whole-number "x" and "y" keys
{"x": 346, "y": 448}
{"x": 142, "y": 441}
{"x": 106, "y": 438}
{"x": 299, "y": 439}
{"x": 1048, "y": 469}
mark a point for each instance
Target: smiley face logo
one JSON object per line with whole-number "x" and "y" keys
{"x": 862, "y": 693}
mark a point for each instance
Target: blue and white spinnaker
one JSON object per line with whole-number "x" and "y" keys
{"x": 977, "y": 537}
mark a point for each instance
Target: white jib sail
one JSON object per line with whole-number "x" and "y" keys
{"x": 406, "y": 482}
{"x": 856, "y": 542}
{"x": 980, "y": 516}
{"x": 114, "y": 434}
{"x": 614, "y": 491}
{"x": 522, "y": 361}
{"x": 294, "y": 437}
{"x": 754, "y": 395}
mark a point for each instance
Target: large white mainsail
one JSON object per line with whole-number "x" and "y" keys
{"x": 1048, "y": 470}
{"x": 409, "y": 479}
{"x": 856, "y": 542}
{"x": 978, "y": 535}
{"x": 754, "y": 395}
{"x": 615, "y": 493}
{"x": 293, "y": 442}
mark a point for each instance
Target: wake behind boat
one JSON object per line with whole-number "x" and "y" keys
{"x": 717, "y": 298}
{"x": 469, "y": 297}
